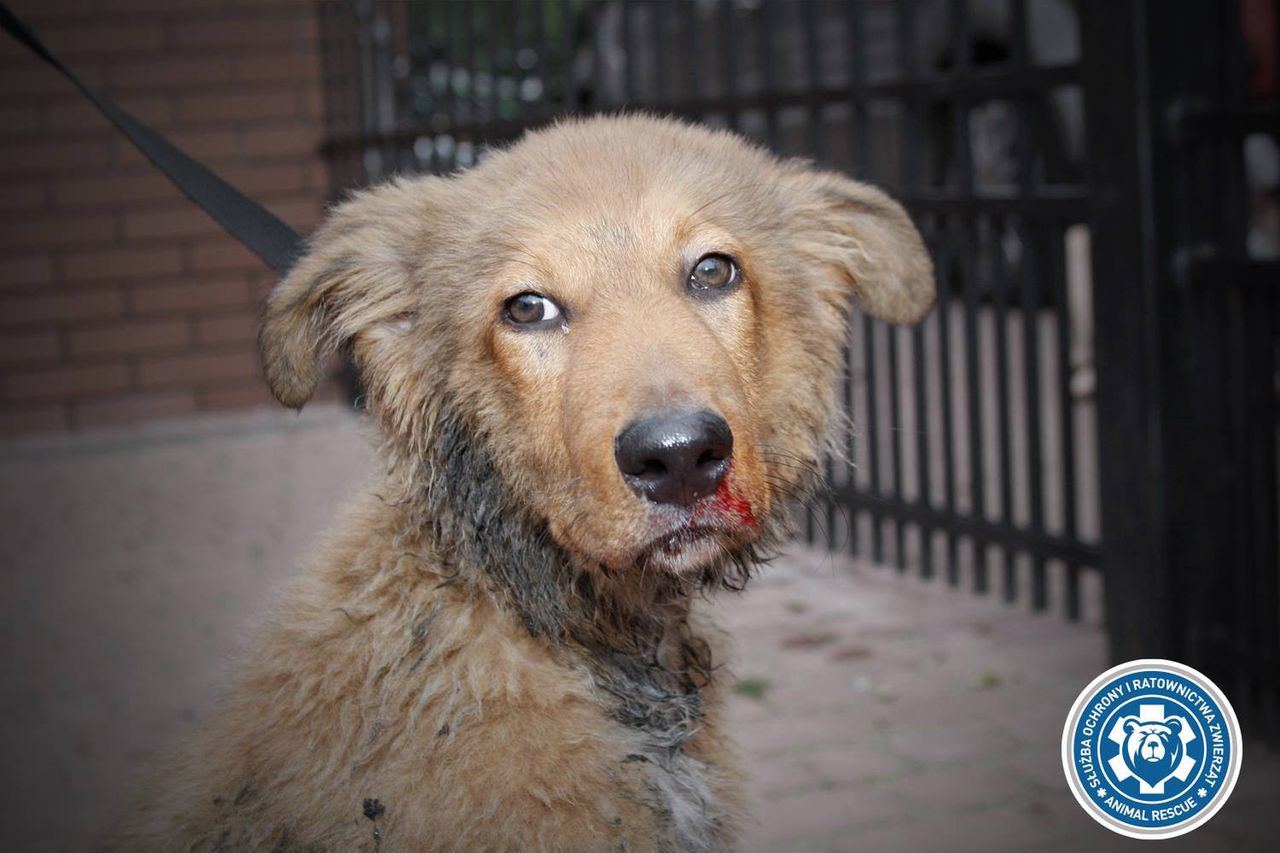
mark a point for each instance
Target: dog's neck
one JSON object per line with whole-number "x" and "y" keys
{"x": 630, "y": 630}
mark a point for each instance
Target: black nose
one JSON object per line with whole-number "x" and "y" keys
{"x": 676, "y": 458}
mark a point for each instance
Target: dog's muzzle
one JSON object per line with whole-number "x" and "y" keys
{"x": 676, "y": 458}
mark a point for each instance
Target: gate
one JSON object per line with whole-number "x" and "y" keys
{"x": 1189, "y": 236}
{"x": 1024, "y": 138}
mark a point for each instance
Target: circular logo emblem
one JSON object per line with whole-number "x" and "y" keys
{"x": 1151, "y": 749}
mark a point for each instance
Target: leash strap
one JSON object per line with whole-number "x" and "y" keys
{"x": 261, "y": 231}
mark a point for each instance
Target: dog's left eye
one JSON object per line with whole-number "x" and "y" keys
{"x": 530, "y": 310}
{"x": 714, "y": 273}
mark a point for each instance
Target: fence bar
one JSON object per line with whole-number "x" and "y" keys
{"x": 1067, "y": 428}
{"x": 766, "y": 31}
{"x": 1004, "y": 436}
{"x": 980, "y": 529}
{"x": 973, "y": 384}
{"x": 914, "y": 165}
{"x": 873, "y": 434}
{"x": 857, "y": 74}
{"x": 693, "y": 24}
{"x": 943, "y": 366}
{"x": 1031, "y": 381}
{"x": 729, "y": 66}
{"x": 962, "y": 157}
{"x": 659, "y": 12}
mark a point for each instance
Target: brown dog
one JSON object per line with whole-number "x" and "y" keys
{"x": 600, "y": 362}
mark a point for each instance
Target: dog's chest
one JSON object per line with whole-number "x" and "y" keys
{"x": 663, "y": 718}
{"x": 683, "y": 786}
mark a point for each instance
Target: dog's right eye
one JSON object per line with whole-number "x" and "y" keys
{"x": 530, "y": 310}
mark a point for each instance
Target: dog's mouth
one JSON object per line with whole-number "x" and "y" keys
{"x": 670, "y": 538}
{"x": 685, "y": 548}
{"x": 682, "y": 539}
{"x": 710, "y": 530}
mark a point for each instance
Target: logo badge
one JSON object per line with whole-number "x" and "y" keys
{"x": 1151, "y": 749}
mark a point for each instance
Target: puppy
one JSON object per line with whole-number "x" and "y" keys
{"x": 599, "y": 364}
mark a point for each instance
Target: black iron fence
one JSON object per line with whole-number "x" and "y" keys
{"x": 986, "y": 445}
{"x": 1188, "y": 237}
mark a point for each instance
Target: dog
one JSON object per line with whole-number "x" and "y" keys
{"x": 600, "y": 365}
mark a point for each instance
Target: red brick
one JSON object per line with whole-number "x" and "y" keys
{"x": 273, "y": 66}
{"x": 195, "y": 369}
{"x": 92, "y": 9}
{"x": 164, "y": 292}
{"x": 238, "y": 328}
{"x": 299, "y": 139}
{"x": 113, "y": 189}
{"x": 133, "y": 408}
{"x": 29, "y": 347}
{"x": 54, "y": 156}
{"x": 21, "y": 420}
{"x": 169, "y": 72}
{"x": 311, "y": 103}
{"x": 18, "y": 121}
{"x": 52, "y": 382}
{"x": 130, "y": 337}
{"x": 314, "y": 177}
{"x": 241, "y": 395}
{"x": 290, "y": 30}
{"x": 103, "y": 38}
{"x": 189, "y": 295}
{"x": 27, "y": 80}
{"x": 129, "y": 262}
{"x": 302, "y": 213}
{"x": 24, "y": 270}
{"x": 222, "y": 255}
{"x": 182, "y": 220}
{"x": 78, "y": 115}
{"x": 58, "y": 230}
{"x": 27, "y": 196}
{"x": 60, "y": 307}
{"x": 261, "y": 284}
{"x": 237, "y": 106}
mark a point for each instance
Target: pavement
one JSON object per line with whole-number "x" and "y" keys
{"x": 875, "y": 711}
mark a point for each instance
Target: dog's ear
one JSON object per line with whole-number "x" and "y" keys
{"x": 356, "y": 274}
{"x": 868, "y": 240}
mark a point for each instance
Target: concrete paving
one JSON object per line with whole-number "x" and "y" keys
{"x": 875, "y": 712}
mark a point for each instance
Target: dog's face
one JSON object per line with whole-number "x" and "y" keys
{"x": 641, "y": 321}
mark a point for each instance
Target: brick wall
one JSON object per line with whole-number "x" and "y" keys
{"x": 119, "y": 299}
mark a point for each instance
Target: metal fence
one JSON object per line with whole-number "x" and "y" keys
{"x": 986, "y": 447}
{"x": 1188, "y": 239}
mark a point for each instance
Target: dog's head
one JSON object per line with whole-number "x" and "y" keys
{"x": 637, "y": 321}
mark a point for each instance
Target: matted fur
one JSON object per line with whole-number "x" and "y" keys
{"x": 492, "y": 653}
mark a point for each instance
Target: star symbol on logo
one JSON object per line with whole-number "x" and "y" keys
{"x": 1201, "y": 793}
{"x": 1102, "y": 792}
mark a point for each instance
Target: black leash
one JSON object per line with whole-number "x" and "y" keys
{"x": 257, "y": 228}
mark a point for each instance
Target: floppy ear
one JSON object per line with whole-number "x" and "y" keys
{"x": 356, "y": 274}
{"x": 870, "y": 242}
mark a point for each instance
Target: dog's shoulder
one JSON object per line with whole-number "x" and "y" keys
{"x": 386, "y": 696}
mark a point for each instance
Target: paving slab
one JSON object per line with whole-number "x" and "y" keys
{"x": 875, "y": 712}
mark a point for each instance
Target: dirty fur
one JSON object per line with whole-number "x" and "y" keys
{"x": 495, "y": 650}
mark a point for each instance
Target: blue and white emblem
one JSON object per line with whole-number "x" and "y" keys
{"x": 1151, "y": 749}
